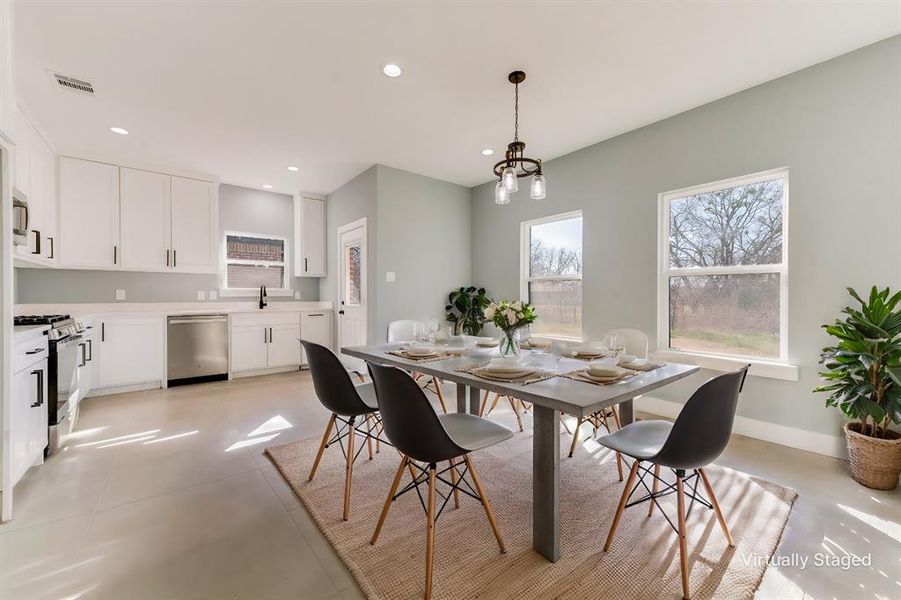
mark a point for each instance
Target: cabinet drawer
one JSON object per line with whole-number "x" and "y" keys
{"x": 265, "y": 319}
{"x": 29, "y": 352}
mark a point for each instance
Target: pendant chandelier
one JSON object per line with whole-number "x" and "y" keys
{"x": 515, "y": 164}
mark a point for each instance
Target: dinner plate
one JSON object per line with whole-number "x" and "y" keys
{"x": 487, "y": 343}
{"x": 506, "y": 373}
{"x": 602, "y": 379}
{"x": 421, "y": 352}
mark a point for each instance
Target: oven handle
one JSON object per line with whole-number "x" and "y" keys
{"x": 84, "y": 354}
{"x": 40, "y": 400}
{"x": 72, "y": 339}
{"x": 90, "y": 357}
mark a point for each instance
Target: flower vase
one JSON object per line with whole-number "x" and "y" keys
{"x": 509, "y": 345}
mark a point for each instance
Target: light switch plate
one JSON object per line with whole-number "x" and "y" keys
{"x": 201, "y": 295}
{"x": 120, "y": 294}
{"x": 297, "y": 295}
{"x": 390, "y": 276}
{"x": 213, "y": 295}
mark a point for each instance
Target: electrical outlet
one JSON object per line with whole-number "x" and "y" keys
{"x": 201, "y": 295}
{"x": 213, "y": 295}
{"x": 297, "y": 295}
{"x": 120, "y": 294}
{"x": 390, "y": 276}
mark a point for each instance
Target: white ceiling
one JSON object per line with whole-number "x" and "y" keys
{"x": 241, "y": 90}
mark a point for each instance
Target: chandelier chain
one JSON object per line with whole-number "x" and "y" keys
{"x": 516, "y": 115}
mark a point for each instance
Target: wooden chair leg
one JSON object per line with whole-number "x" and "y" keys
{"x": 616, "y": 417}
{"x": 453, "y": 473}
{"x": 572, "y": 448}
{"x": 683, "y": 551}
{"x": 619, "y": 465}
{"x": 325, "y": 436}
{"x": 622, "y": 504}
{"x": 349, "y": 470}
{"x": 390, "y": 499}
{"x": 512, "y": 402}
{"x": 716, "y": 507}
{"x": 440, "y": 393}
{"x": 430, "y": 535}
{"x": 369, "y": 435}
{"x": 485, "y": 504}
{"x": 483, "y": 403}
{"x": 565, "y": 426}
{"x": 655, "y": 486}
{"x": 497, "y": 397}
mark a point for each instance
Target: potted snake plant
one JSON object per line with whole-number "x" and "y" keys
{"x": 862, "y": 375}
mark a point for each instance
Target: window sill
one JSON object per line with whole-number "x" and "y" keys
{"x": 254, "y": 293}
{"x": 759, "y": 367}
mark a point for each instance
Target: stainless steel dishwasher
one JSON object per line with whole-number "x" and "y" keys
{"x": 197, "y": 348}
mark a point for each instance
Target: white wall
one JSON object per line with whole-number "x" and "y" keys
{"x": 836, "y": 126}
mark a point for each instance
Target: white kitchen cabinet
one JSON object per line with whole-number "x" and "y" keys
{"x": 261, "y": 341}
{"x": 28, "y": 416}
{"x": 195, "y": 227}
{"x": 130, "y": 351}
{"x": 145, "y": 202}
{"x": 309, "y": 236}
{"x": 86, "y": 372}
{"x": 316, "y": 327}
{"x": 88, "y": 214}
{"x": 22, "y": 151}
{"x": 249, "y": 348}
{"x": 35, "y": 175}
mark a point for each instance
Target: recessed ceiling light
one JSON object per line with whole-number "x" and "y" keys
{"x": 487, "y": 152}
{"x": 119, "y": 130}
{"x": 391, "y": 70}
{"x": 266, "y": 186}
{"x": 294, "y": 169}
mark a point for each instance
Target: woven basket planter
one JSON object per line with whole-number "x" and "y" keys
{"x": 875, "y": 462}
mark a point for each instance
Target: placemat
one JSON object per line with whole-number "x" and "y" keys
{"x": 423, "y": 359}
{"x": 580, "y": 376}
{"x": 646, "y": 368}
{"x": 535, "y": 377}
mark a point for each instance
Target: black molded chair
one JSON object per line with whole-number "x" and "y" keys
{"x": 422, "y": 436}
{"x": 695, "y": 440}
{"x": 347, "y": 403}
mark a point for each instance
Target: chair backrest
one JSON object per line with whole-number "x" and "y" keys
{"x": 410, "y": 422}
{"x": 332, "y": 383}
{"x": 401, "y": 331}
{"x": 636, "y": 341}
{"x": 703, "y": 427}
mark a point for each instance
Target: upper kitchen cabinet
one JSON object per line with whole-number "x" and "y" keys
{"x": 35, "y": 176}
{"x": 309, "y": 234}
{"x": 146, "y": 203}
{"x": 89, "y": 214}
{"x": 194, "y": 225}
{"x": 167, "y": 223}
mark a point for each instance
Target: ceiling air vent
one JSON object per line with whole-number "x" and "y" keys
{"x": 74, "y": 84}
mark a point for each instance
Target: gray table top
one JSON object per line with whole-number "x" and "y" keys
{"x": 572, "y": 397}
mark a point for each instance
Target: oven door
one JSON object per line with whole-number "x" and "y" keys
{"x": 68, "y": 360}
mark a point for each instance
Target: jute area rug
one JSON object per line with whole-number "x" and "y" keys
{"x": 643, "y": 561}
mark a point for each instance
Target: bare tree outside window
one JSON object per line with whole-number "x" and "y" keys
{"x": 725, "y": 267}
{"x": 554, "y": 277}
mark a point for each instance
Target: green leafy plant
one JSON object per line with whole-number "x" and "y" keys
{"x": 510, "y": 316}
{"x": 862, "y": 370}
{"x": 466, "y": 310}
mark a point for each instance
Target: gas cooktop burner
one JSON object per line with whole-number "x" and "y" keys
{"x": 39, "y": 319}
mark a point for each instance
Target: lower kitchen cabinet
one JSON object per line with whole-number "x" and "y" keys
{"x": 130, "y": 351}
{"x": 28, "y": 413}
{"x": 316, "y": 327}
{"x": 261, "y": 341}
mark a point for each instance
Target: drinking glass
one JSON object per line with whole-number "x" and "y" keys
{"x": 617, "y": 345}
{"x": 558, "y": 349}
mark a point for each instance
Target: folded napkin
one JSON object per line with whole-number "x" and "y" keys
{"x": 642, "y": 364}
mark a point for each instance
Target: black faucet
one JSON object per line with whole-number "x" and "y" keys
{"x": 263, "y": 301}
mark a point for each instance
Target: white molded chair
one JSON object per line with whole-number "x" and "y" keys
{"x": 636, "y": 341}
{"x": 404, "y": 330}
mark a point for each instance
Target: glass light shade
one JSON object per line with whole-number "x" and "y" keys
{"x": 539, "y": 189}
{"x": 500, "y": 193}
{"x": 510, "y": 180}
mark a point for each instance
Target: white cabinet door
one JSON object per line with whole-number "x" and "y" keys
{"x": 28, "y": 418}
{"x": 22, "y": 151}
{"x": 130, "y": 351}
{"x": 42, "y": 200}
{"x": 145, "y": 204}
{"x": 88, "y": 214}
{"x": 316, "y": 327}
{"x": 284, "y": 347}
{"x": 194, "y": 226}
{"x": 37, "y": 416}
{"x": 249, "y": 348}
{"x": 309, "y": 237}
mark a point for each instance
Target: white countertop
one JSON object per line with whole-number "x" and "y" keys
{"x": 168, "y": 308}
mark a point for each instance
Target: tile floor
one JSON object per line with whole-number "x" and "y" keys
{"x": 166, "y": 494}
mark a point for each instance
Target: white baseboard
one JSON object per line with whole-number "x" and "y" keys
{"x": 821, "y": 443}
{"x": 122, "y": 389}
{"x": 256, "y": 373}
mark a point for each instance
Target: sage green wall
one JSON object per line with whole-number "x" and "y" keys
{"x": 836, "y": 126}
{"x": 424, "y": 237}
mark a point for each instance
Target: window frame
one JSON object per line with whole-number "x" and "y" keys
{"x": 765, "y": 365}
{"x": 525, "y": 264}
{"x": 224, "y": 290}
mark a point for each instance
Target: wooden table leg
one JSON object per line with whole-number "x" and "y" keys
{"x": 546, "y": 482}
{"x": 475, "y": 400}
{"x": 461, "y": 398}
{"x": 625, "y": 412}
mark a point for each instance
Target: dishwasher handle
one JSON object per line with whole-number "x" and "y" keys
{"x": 200, "y": 319}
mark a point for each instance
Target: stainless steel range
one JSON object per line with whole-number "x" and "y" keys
{"x": 67, "y": 352}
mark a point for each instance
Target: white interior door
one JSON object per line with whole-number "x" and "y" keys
{"x": 352, "y": 297}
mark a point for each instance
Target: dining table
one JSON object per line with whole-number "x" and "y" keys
{"x": 549, "y": 397}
